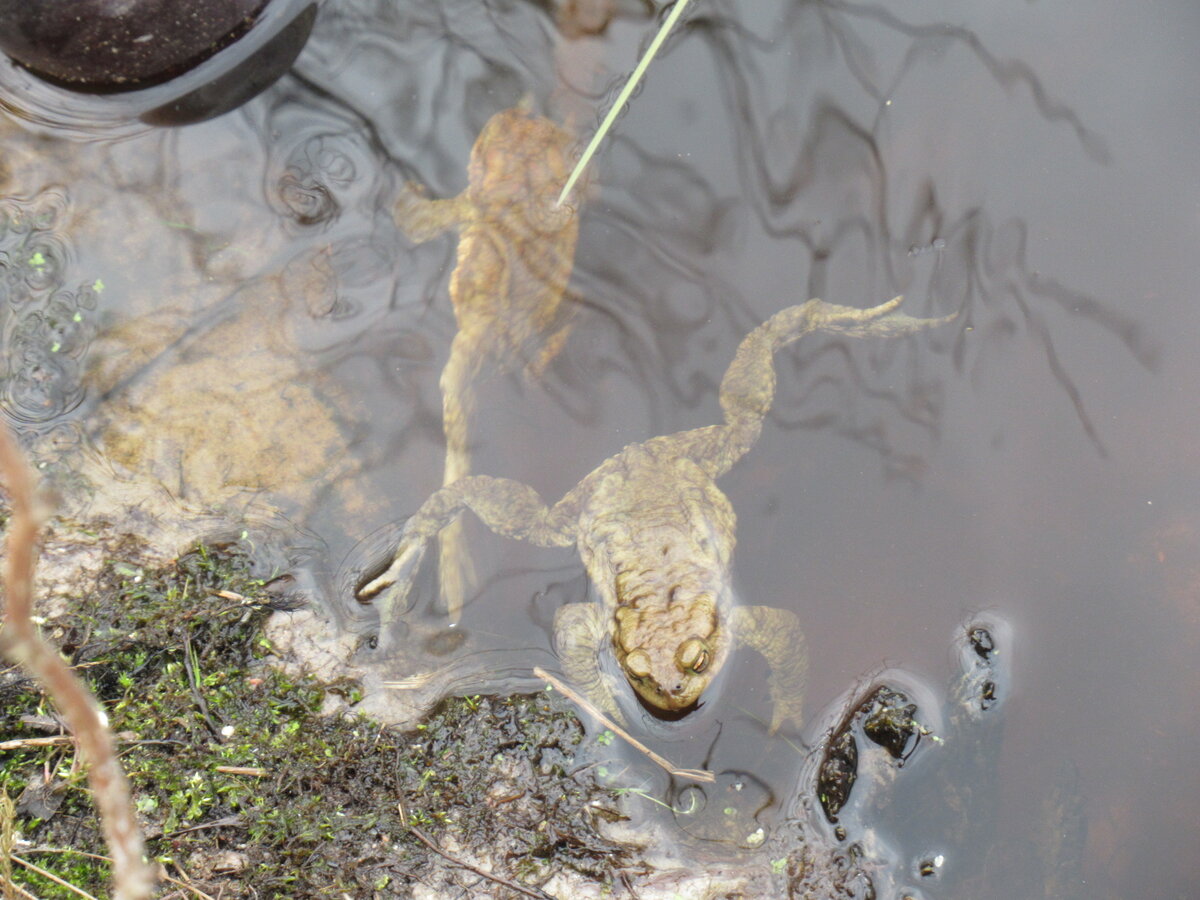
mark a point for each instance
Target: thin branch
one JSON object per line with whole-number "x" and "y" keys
{"x": 25, "y": 743}
{"x": 8, "y": 839}
{"x": 234, "y": 821}
{"x": 528, "y": 892}
{"x": 562, "y": 687}
{"x": 17, "y": 889}
{"x": 165, "y": 877}
{"x": 133, "y": 878}
{"x": 50, "y": 876}
{"x": 187, "y": 887}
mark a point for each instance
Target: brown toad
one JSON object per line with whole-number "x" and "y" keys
{"x": 656, "y": 536}
{"x": 516, "y": 247}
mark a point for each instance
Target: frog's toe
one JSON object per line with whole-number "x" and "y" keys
{"x": 392, "y": 602}
{"x": 579, "y": 630}
{"x": 398, "y": 574}
{"x": 788, "y": 711}
{"x": 368, "y": 591}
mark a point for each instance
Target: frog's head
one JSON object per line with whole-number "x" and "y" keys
{"x": 670, "y": 650}
{"x": 519, "y": 163}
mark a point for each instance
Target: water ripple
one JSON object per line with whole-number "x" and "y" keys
{"x": 45, "y": 327}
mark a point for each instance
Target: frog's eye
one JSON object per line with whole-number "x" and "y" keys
{"x": 637, "y": 663}
{"x": 693, "y": 654}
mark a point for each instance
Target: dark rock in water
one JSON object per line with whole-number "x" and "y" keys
{"x": 117, "y": 45}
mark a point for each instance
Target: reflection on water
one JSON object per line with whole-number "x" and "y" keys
{"x": 222, "y": 404}
{"x": 46, "y": 325}
{"x": 109, "y": 78}
{"x": 224, "y": 321}
{"x": 516, "y": 249}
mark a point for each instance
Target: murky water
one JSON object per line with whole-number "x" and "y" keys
{"x": 223, "y": 321}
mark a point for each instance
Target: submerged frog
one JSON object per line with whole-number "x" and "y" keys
{"x": 516, "y": 248}
{"x": 656, "y": 536}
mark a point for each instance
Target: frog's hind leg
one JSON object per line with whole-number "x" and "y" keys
{"x": 456, "y": 572}
{"x": 776, "y": 634}
{"x": 580, "y": 630}
{"x": 553, "y": 333}
{"x": 507, "y": 507}
{"x": 748, "y": 388}
{"x": 550, "y": 348}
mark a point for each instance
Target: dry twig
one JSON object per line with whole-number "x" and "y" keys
{"x": 133, "y": 878}
{"x": 26, "y": 743}
{"x": 252, "y": 771}
{"x": 16, "y": 889}
{"x": 8, "y": 840}
{"x": 528, "y": 892}
{"x": 161, "y": 874}
{"x": 694, "y": 774}
{"x": 50, "y": 876}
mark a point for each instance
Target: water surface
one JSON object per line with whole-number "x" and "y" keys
{"x": 223, "y": 320}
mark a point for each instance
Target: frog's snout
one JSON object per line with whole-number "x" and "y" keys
{"x": 677, "y": 689}
{"x": 675, "y": 695}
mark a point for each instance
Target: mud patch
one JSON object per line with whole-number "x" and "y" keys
{"x": 246, "y": 785}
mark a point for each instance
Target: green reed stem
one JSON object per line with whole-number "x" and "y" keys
{"x": 623, "y": 97}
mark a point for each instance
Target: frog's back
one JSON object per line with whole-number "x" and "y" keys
{"x": 652, "y": 521}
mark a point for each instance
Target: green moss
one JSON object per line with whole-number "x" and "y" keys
{"x": 315, "y": 805}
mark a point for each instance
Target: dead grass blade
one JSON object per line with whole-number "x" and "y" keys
{"x": 623, "y": 97}
{"x": 579, "y": 699}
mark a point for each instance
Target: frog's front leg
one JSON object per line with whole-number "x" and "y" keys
{"x": 422, "y": 219}
{"x": 580, "y": 630}
{"x": 507, "y": 507}
{"x": 776, "y": 634}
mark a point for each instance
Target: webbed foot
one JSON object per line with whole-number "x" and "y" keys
{"x": 389, "y": 591}
{"x": 398, "y": 575}
{"x": 884, "y": 320}
{"x": 776, "y": 634}
{"x": 579, "y": 632}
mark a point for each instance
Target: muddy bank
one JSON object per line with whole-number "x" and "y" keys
{"x": 253, "y": 778}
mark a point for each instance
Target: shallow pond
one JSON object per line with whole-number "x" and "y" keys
{"x": 222, "y": 323}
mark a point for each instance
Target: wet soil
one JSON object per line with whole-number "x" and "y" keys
{"x": 253, "y": 782}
